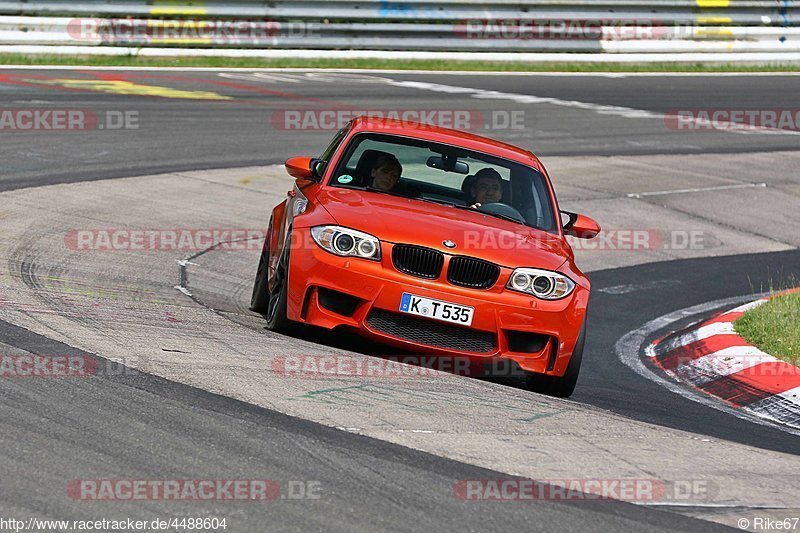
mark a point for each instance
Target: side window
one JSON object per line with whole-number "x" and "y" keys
{"x": 320, "y": 166}
{"x": 337, "y": 140}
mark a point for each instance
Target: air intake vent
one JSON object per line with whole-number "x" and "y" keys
{"x": 417, "y": 261}
{"x": 431, "y": 332}
{"x": 472, "y": 273}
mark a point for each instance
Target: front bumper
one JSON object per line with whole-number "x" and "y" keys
{"x": 538, "y": 335}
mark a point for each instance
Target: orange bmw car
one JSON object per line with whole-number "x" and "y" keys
{"x": 434, "y": 241}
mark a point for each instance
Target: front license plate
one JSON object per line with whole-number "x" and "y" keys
{"x": 444, "y": 311}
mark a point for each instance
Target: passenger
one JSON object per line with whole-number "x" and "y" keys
{"x": 486, "y": 188}
{"x": 385, "y": 173}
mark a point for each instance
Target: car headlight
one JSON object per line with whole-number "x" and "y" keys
{"x": 347, "y": 242}
{"x": 543, "y": 284}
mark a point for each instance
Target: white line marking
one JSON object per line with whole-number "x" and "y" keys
{"x": 601, "y": 109}
{"x": 264, "y": 76}
{"x": 698, "y": 189}
{"x": 483, "y": 94}
{"x": 184, "y": 290}
{"x": 629, "y": 346}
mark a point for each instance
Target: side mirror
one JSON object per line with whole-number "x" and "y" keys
{"x": 303, "y": 168}
{"x": 318, "y": 167}
{"x": 580, "y": 226}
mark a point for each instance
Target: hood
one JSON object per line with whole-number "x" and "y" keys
{"x": 405, "y": 220}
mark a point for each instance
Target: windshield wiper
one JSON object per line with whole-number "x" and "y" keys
{"x": 391, "y": 193}
{"x": 439, "y": 202}
{"x": 504, "y": 217}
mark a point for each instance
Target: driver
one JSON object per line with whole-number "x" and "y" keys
{"x": 385, "y": 173}
{"x": 486, "y": 188}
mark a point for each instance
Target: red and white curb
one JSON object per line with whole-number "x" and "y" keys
{"x": 712, "y": 358}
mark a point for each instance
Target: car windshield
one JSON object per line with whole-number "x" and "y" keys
{"x": 439, "y": 173}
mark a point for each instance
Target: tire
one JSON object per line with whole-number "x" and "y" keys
{"x": 278, "y": 296}
{"x": 560, "y": 386}
{"x": 271, "y": 301}
{"x": 259, "y": 301}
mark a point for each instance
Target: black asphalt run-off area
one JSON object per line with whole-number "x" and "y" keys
{"x": 53, "y": 431}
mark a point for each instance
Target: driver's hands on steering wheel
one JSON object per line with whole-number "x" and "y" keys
{"x": 475, "y": 205}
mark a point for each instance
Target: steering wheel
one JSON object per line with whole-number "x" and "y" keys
{"x": 503, "y": 209}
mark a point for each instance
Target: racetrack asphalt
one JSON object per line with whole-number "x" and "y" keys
{"x": 186, "y": 134}
{"x": 146, "y": 426}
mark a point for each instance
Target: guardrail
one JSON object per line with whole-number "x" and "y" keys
{"x": 377, "y": 36}
{"x": 615, "y": 26}
{"x": 740, "y": 11}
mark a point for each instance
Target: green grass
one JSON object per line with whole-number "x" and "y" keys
{"x": 774, "y": 327}
{"x": 415, "y": 64}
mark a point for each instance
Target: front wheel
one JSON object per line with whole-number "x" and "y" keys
{"x": 269, "y": 299}
{"x": 259, "y": 301}
{"x": 278, "y": 296}
{"x": 559, "y": 386}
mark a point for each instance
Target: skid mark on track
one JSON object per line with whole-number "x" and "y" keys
{"x": 633, "y": 287}
{"x": 370, "y": 394}
{"x": 84, "y": 302}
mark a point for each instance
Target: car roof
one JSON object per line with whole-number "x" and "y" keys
{"x": 442, "y": 135}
